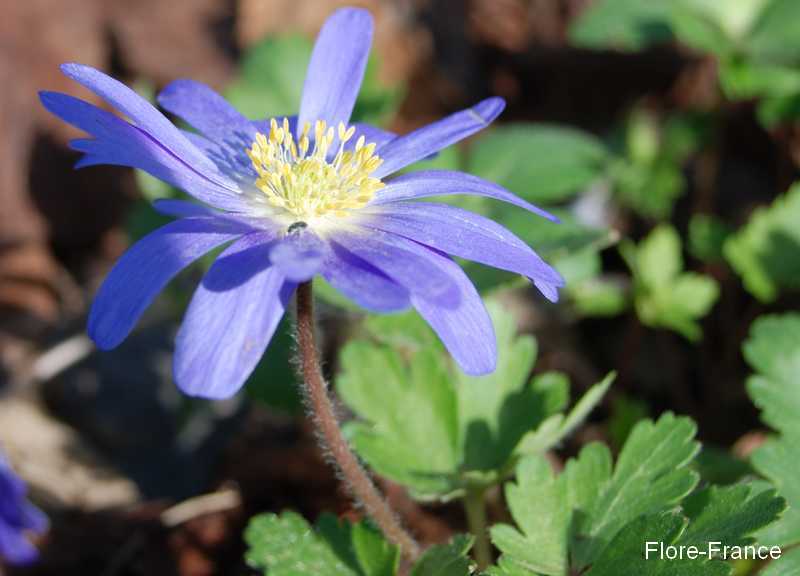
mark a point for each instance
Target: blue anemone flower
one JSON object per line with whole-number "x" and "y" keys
{"x": 17, "y": 516}
{"x": 292, "y": 198}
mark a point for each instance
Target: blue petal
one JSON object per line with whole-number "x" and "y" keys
{"x": 466, "y": 330}
{"x": 182, "y": 208}
{"x": 463, "y": 234}
{"x": 363, "y": 283}
{"x": 298, "y": 255}
{"x": 15, "y": 547}
{"x": 337, "y": 67}
{"x": 429, "y": 183}
{"x": 207, "y": 111}
{"x": 230, "y": 321}
{"x": 407, "y": 263}
{"x": 419, "y": 144}
{"x": 371, "y": 134}
{"x": 144, "y": 115}
{"x": 119, "y": 143}
{"x": 143, "y": 271}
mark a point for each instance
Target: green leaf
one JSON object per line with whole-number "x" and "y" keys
{"x": 558, "y": 426}
{"x": 764, "y": 250}
{"x": 729, "y": 515}
{"x": 540, "y": 163}
{"x": 446, "y": 559}
{"x": 542, "y": 507}
{"x": 666, "y": 297}
{"x": 707, "y": 236}
{"x": 466, "y": 431}
{"x": 773, "y": 350}
{"x": 271, "y": 77}
{"x": 419, "y": 452}
{"x": 776, "y": 33}
{"x": 497, "y": 410}
{"x": 626, "y": 553}
{"x": 286, "y": 545}
{"x": 787, "y": 565}
{"x": 651, "y": 473}
{"x": 735, "y": 17}
{"x": 622, "y": 24}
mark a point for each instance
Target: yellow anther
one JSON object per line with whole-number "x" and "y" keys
{"x": 305, "y": 181}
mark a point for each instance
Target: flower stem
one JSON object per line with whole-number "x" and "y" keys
{"x": 319, "y": 403}
{"x": 475, "y": 506}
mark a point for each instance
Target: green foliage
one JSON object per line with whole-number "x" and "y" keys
{"x": 648, "y": 175}
{"x": 591, "y": 516}
{"x": 707, "y": 236}
{"x": 755, "y": 42}
{"x": 446, "y": 559}
{"x": 773, "y": 350}
{"x": 286, "y": 545}
{"x": 764, "y": 250}
{"x": 622, "y": 24}
{"x": 541, "y": 163}
{"x": 466, "y": 431}
{"x": 665, "y": 296}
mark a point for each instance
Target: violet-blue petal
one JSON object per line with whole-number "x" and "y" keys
{"x": 146, "y": 268}
{"x": 427, "y": 183}
{"x": 230, "y": 320}
{"x": 298, "y": 255}
{"x": 548, "y": 289}
{"x": 421, "y": 143}
{"x": 464, "y": 234}
{"x": 208, "y": 112}
{"x": 337, "y": 66}
{"x": 363, "y": 283}
{"x": 17, "y": 516}
{"x": 182, "y": 208}
{"x": 404, "y": 261}
{"x": 15, "y": 547}
{"x": 120, "y": 143}
{"x": 144, "y": 115}
{"x": 371, "y": 134}
{"x": 466, "y": 330}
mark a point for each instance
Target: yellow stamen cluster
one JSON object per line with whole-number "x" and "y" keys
{"x": 304, "y": 182}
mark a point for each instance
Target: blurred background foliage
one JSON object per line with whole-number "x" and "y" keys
{"x": 662, "y": 133}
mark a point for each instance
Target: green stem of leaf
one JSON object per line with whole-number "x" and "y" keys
{"x": 338, "y": 451}
{"x": 475, "y": 506}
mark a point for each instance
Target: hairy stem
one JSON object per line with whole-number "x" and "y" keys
{"x": 475, "y": 506}
{"x": 324, "y": 417}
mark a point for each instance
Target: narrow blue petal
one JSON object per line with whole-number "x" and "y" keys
{"x": 146, "y": 268}
{"x": 419, "y": 144}
{"x": 119, "y": 143}
{"x": 464, "y": 234}
{"x": 182, "y": 208}
{"x": 337, "y": 67}
{"x": 427, "y": 183}
{"x": 466, "y": 330}
{"x": 548, "y": 289}
{"x": 230, "y": 321}
{"x": 208, "y": 112}
{"x": 15, "y": 547}
{"x": 371, "y": 134}
{"x": 145, "y": 116}
{"x": 298, "y": 255}
{"x": 407, "y": 263}
{"x": 363, "y": 283}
